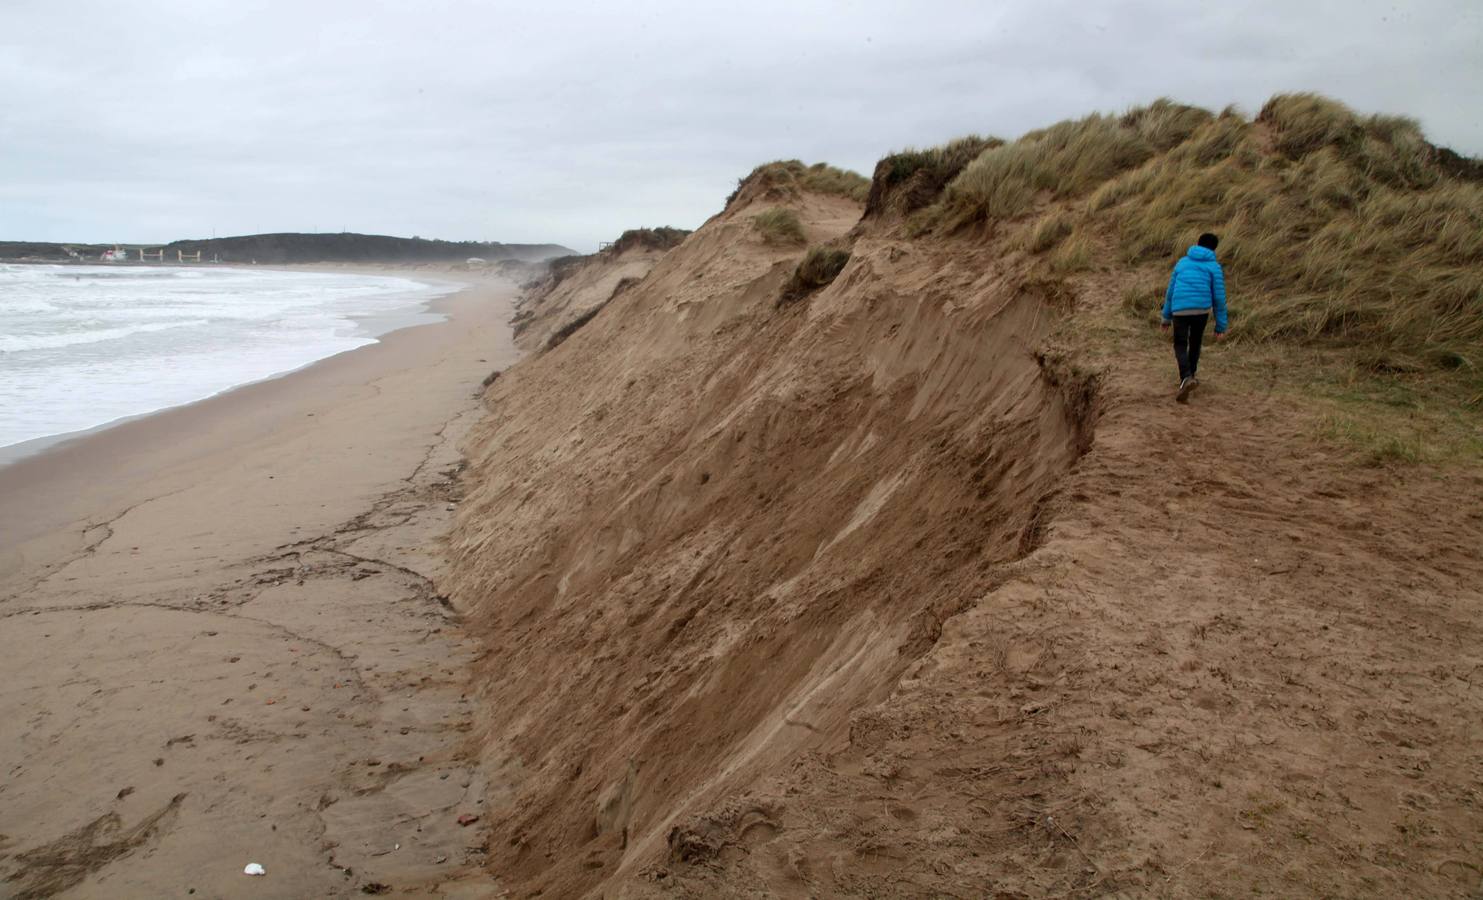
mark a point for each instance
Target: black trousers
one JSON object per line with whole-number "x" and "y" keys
{"x": 1189, "y": 334}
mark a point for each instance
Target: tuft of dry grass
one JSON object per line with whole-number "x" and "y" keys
{"x": 1048, "y": 231}
{"x": 1075, "y": 254}
{"x": 1166, "y": 124}
{"x": 1303, "y": 123}
{"x": 779, "y": 226}
{"x": 826, "y": 179}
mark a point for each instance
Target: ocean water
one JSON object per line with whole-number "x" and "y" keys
{"x": 82, "y": 346}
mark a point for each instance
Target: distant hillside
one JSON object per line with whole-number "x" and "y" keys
{"x": 291, "y": 247}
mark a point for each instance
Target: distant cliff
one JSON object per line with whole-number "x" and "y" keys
{"x": 301, "y": 248}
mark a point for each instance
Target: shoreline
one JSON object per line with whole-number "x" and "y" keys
{"x": 127, "y": 446}
{"x": 223, "y": 627}
{"x": 389, "y": 322}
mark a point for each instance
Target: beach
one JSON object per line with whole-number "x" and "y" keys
{"x": 224, "y": 640}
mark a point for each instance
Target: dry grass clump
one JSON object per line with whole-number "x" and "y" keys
{"x": 1075, "y": 254}
{"x": 1302, "y": 123}
{"x": 1166, "y": 124}
{"x": 1048, "y": 231}
{"x": 1390, "y": 149}
{"x": 826, "y": 179}
{"x": 1335, "y": 228}
{"x": 779, "y": 226}
{"x": 818, "y": 268}
{"x": 789, "y": 177}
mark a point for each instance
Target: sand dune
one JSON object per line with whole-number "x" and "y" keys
{"x": 921, "y": 586}
{"x": 907, "y": 578}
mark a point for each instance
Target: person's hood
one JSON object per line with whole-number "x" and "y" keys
{"x": 1201, "y": 254}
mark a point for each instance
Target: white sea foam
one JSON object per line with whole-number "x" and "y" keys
{"x": 81, "y": 346}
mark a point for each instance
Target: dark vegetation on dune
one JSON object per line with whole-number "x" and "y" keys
{"x": 819, "y": 267}
{"x": 661, "y": 238}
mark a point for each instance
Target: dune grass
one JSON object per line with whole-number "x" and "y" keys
{"x": 1065, "y": 160}
{"x": 791, "y": 177}
{"x": 1076, "y": 253}
{"x": 779, "y": 226}
{"x": 907, "y": 181}
{"x": 1048, "y": 231}
{"x": 1336, "y": 229}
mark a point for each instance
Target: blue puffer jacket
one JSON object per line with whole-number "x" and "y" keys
{"x": 1197, "y": 283}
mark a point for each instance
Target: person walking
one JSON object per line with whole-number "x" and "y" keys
{"x": 1197, "y": 288}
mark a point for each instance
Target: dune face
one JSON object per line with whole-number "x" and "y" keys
{"x": 705, "y": 530}
{"x": 575, "y": 288}
{"x": 858, "y": 548}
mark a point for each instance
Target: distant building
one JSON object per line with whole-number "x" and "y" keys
{"x": 117, "y": 254}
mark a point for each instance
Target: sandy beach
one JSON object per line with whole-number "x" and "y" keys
{"x": 223, "y": 638}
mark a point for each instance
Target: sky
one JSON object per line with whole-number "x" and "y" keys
{"x": 570, "y": 122}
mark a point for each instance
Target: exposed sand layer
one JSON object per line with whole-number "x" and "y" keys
{"x": 557, "y": 306}
{"x": 922, "y": 586}
{"x": 223, "y": 642}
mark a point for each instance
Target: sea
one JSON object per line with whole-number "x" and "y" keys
{"x": 83, "y": 346}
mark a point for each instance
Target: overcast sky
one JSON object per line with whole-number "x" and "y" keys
{"x": 549, "y": 121}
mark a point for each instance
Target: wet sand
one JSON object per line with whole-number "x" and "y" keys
{"x": 223, "y": 641}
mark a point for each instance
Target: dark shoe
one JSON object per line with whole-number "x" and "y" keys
{"x": 1185, "y": 387}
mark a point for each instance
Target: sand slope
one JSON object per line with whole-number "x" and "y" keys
{"x": 890, "y": 593}
{"x": 703, "y": 531}
{"x": 565, "y": 298}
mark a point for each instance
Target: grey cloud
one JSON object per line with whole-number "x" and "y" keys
{"x": 570, "y": 122}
